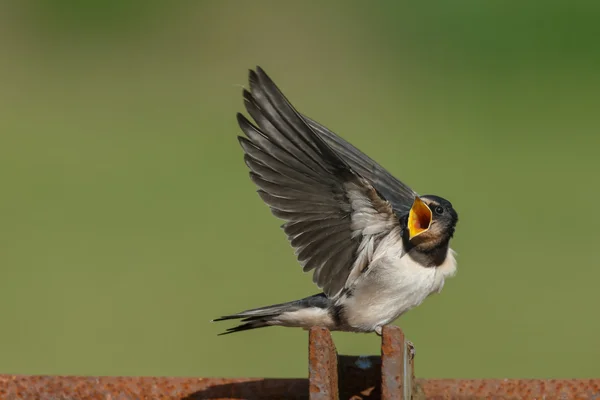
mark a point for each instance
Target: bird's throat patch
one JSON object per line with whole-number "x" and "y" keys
{"x": 419, "y": 218}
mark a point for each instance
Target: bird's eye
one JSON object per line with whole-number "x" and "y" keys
{"x": 439, "y": 210}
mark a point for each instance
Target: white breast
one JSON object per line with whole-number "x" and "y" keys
{"x": 392, "y": 286}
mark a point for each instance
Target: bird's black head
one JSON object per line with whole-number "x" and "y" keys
{"x": 430, "y": 223}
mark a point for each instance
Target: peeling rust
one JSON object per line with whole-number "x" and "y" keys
{"x": 322, "y": 365}
{"x": 147, "y": 388}
{"x": 393, "y": 363}
{"x": 156, "y": 388}
{"x": 509, "y": 388}
{"x": 331, "y": 376}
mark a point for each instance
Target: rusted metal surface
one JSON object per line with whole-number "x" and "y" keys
{"x": 17, "y": 387}
{"x": 322, "y": 365}
{"x": 331, "y": 376}
{"x": 387, "y": 377}
{"x": 13, "y": 387}
{"x": 508, "y": 388}
{"x": 396, "y": 376}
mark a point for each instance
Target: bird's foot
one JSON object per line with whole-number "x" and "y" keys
{"x": 379, "y": 330}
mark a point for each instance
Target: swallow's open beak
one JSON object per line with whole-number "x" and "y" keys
{"x": 419, "y": 218}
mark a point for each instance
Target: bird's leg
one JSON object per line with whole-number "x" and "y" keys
{"x": 409, "y": 345}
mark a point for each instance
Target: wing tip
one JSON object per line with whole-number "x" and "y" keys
{"x": 246, "y": 126}
{"x": 245, "y": 143}
{"x": 241, "y": 119}
{"x": 261, "y": 72}
{"x": 247, "y": 96}
{"x": 253, "y": 78}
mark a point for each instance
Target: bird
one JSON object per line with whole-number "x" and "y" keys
{"x": 375, "y": 247}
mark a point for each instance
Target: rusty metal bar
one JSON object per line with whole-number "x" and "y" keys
{"x": 331, "y": 376}
{"x": 13, "y": 387}
{"x": 508, "y": 388}
{"x": 17, "y": 387}
{"x": 322, "y": 365}
{"x": 396, "y": 376}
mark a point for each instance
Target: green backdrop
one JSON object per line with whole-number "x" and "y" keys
{"x": 128, "y": 222}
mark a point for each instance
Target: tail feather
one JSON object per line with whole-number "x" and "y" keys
{"x": 244, "y": 327}
{"x": 266, "y": 316}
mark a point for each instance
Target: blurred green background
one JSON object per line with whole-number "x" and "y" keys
{"x": 128, "y": 220}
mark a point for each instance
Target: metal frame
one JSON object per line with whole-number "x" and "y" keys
{"x": 331, "y": 377}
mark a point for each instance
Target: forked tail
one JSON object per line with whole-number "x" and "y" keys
{"x": 306, "y": 312}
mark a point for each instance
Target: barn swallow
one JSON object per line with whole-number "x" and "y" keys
{"x": 376, "y": 248}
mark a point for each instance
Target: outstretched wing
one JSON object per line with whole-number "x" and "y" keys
{"x": 333, "y": 215}
{"x": 397, "y": 193}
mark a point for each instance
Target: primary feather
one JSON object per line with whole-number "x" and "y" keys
{"x": 327, "y": 204}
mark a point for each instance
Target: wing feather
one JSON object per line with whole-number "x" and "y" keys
{"x": 400, "y": 195}
{"x": 317, "y": 189}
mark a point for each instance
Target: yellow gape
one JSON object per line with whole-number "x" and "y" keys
{"x": 419, "y": 218}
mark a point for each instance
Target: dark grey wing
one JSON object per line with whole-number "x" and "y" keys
{"x": 333, "y": 216}
{"x": 397, "y": 193}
